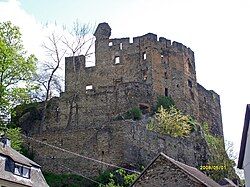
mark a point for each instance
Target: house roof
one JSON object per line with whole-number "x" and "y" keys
{"x": 36, "y": 176}
{"x": 191, "y": 171}
{"x": 8, "y": 176}
{"x": 244, "y": 137}
{"x": 16, "y": 156}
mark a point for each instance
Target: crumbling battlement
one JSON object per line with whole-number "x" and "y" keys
{"x": 158, "y": 66}
{"x": 210, "y": 101}
{"x": 125, "y": 75}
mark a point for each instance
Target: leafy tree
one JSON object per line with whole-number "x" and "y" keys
{"x": 117, "y": 178}
{"x": 232, "y": 155}
{"x": 16, "y": 70}
{"x": 14, "y": 134}
{"x": 220, "y": 157}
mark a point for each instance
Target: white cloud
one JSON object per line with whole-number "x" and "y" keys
{"x": 31, "y": 30}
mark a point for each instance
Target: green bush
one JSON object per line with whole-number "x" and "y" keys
{"x": 134, "y": 113}
{"x": 66, "y": 180}
{"x": 171, "y": 122}
{"x": 193, "y": 124}
{"x": 117, "y": 178}
{"x": 218, "y": 156}
{"x": 104, "y": 177}
{"x": 165, "y": 102}
{"x": 14, "y": 134}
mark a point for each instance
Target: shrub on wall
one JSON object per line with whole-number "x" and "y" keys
{"x": 165, "y": 102}
{"x": 171, "y": 122}
{"x": 134, "y": 113}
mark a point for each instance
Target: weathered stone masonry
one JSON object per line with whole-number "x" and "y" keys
{"x": 134, "y": 74}
{"x": 125, "y": 75}
{"x": 124, "y": 143}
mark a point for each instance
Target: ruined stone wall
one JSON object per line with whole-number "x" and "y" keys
{"x": 164, "y": 68}
{"x": 125, "y": 75}
{"x": 97, "y": 106}
{"x": 181, "y": 78}
{"x": 124, "y": 143}
{"x": 210, "y": 110}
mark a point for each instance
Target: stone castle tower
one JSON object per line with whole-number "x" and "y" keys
{"x": 125, "y": 75}
{"x": 134, "y": 74}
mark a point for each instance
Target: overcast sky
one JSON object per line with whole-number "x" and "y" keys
{"x": 217, "y": 31}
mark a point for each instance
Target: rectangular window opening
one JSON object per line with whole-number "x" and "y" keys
{"x": 166, "y": 92}
{"x": 89, "y": 87}
{"x": 110, "y": 43}
{"x": 130, "y": 40}
{"x": 166, "y": 75}
{"x": 144, "y": 56}
{"x": 189, "y": 65}
{"x": 22, "y": 171}
{"x": 191, "y": 94}
{"x": 18, "y": 169}
{"x": 190, "y": 83}
{"x": 120, "y": 46}
{"x": 145, "y": 76}
{"x": 26, "y": 172}
{"x": 117, "y": 60}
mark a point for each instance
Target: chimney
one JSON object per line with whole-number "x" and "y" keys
{"x": 6, "y": 141}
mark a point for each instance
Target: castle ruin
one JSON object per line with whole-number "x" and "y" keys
{"x": 125, "y": 75}
{"x": 134, "y": 74}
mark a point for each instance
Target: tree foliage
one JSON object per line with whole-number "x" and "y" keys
{"x": 219, "y": 157}
{"x": 117, "y": 178}
{"x": 16, "y": 70}
{"x": 14, "y": 134}
{"x": 171, "y": 122}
